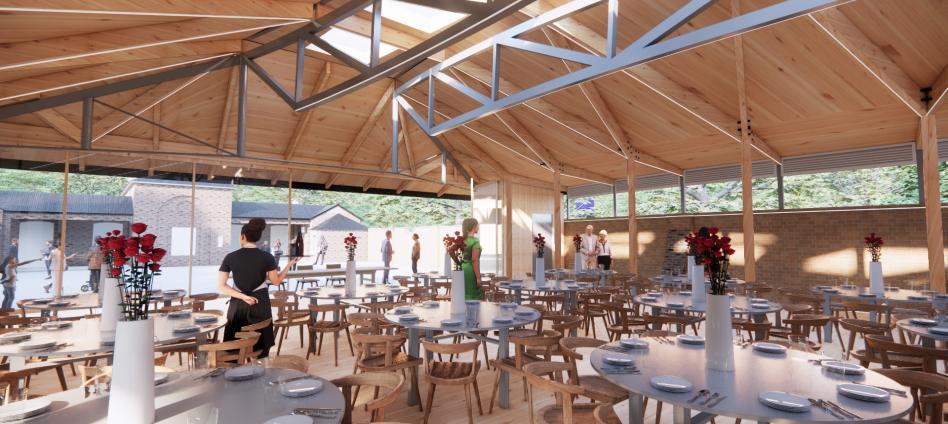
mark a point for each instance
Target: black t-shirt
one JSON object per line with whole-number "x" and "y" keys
{"x": 249, "y": 266}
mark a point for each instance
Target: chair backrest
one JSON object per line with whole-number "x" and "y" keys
{"x": 536, "y": 374}
{"x": 328, "y": 308}
{"x": 18, "y": 322}
{"x": 933, "y": 390}
{"x": 258, "y": 326}
{"x": 369, "y": 344}
{"x": 568, "y": 346}
{"x": 879, "y": 349}
{"x": 219, "y": 355}
{"x": 392, "y": 382}
{"x": 290, "y": 362}
{"x": 803, "y": 323}
{"x": 365, "y": 322}
{"x": 457, "y": 349}
{"x": 564, "y": 323}
{"x": 545, "y": 339}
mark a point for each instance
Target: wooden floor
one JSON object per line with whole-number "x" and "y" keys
{"x": 449, "y": 406}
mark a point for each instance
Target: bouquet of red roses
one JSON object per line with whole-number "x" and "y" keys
{"x": 134, "y": 261}
{"x": 351, "y": 244}
{"x": 714, "y": 252}
{"x": 578, "y": 242}
{"x": 874, "y": 246}
{"x": 692, "y": 240}
{"x": 539, "y": 242}
{"x": 455, "y": 248}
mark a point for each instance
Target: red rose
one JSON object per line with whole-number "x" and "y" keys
{"x": 155, "y": 267}
{"x": 147, "y": 249}
{"x": 708, "y": 242}
{"x": 116, "y": 272}
{"x": 116, "y": 232}
{"x": 730, "y": 251}
{"x": 158, "y": 254}
{"x": 131, "y": 243}
{"x": 148, "y": 240}
{"x": 115, "y": 243}
{"x": 142, "y": 257}
{"x": 131, "y": 251}
{"x": 713, "y": 230}
{"x": 139, "y": 227}
{"x": 118, "y": 261}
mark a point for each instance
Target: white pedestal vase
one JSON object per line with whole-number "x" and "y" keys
{"x": 458, "y": 291}
{"x": 132, "y": 398}
{"x": 689, "y": 264}
{"x": 539, "y": 271}
{"x": 448, "y": 264}
{"x": 699, "y": 290}
{"x": 103, "y": 274}
{"x": 351, "y": 278}
{"x": 578, "y": 265}
{"x": 719, "y": 346}
{"x": 876, "y": 286}
{"x": 111, "y": 308}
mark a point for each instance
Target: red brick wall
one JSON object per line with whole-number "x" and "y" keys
{"x": 793, "y": 248}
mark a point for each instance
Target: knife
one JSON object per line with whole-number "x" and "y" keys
{"x": 287, "y": 380}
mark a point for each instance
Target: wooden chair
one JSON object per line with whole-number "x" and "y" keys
{"x": 858, "y": 327}
{"x": 392, "y": 382}
{"x": 565, "y": 411}
{"x": 198, "y": 300}
{"x": 752, "y": 328}
{"x": 680, "y": 322}
{"x": 221, "y": 355}
{"x": 290, "y": 362}
{"x": 606, "y": 414}
{"x": 323, "y": 327}
{"x": 383, "y": 353}
{"x": 623, "y": 320}
{"x": 11, "y": 379}
{"x": 597, "y": 387}
{"x": 256, "y": 328}
{"x": 804, "y": 324}
{"x": 929, "y": 392}
{"x": 889, "y": 353}
{"x": 591, "y": 308}
{"x": 546, "y": 339}
{"x": 453, "y": 373}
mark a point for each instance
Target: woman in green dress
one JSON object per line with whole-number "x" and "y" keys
{"x": 471, "y": 259}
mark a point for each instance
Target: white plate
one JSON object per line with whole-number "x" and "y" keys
{"x": 205, "y": 318}
{"x": 372, "y": 294}
{"x": 430, "y": 304}
{"x": 59, "y": 303}
{"x": 760, "y": 305}
{"x": 56, "y": 325}
{"x": 402, "y": 309}
{"x": 634, "y": 343}
{"x": 675, "y": 304}
{"x": 503, "y": 320}
{"x": 451, "y": 322}
{"x": 831, "y": 291}
{"x": 301, "y": 388}
{"x": 290, "y": 419}
{"x": 334, "y": 295}
{"x": 408, "y": 318}
{"x": 161, "y": 377}
{"x": 41, "y": 301}
{"x": 843, "y": 367}
{"x": 24, "y": 409}
{"x": 670, "y": 383}
{"x": 860, "y": 392}
{"x": 769, "y": 347}
{"x": 508, "y": 305}
{"x": 759, "y": 300}
{"x": 515, "y": 285}
{"x": 648, "y": 299}
{"x": 867, "y": 295}
{"x": 179, "y": 314}
{"x": 618, "y": 360}
{"x": 524, "y": 313}
{"x": 918, "y": 298}
{"x": 784, "y": 401}
{"x": 246, "y": 372}
{"x": 15, "y": 337}
{"x": 847, "y": 286}
{"x": 941, "y": 331}
{"x": 37, "y": 344}
{"x": 185, "y": 329}
{"x": 655, "y": 294}
{"x": 924, "y": 322}
{"x": 692, "y": 340}
{"x": 685, "y": 293}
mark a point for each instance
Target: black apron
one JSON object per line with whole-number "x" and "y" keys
{"x": 240, "y": 314}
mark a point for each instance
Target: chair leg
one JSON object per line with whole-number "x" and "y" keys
{"x": 62, "y": 378}
{"x": 431, "y": 393}
{"x": 319, "y": 348}
{"x": 301, "y": 337}
{"x": 467, "y": 403}
{"x": 414, "y": 377}
{"x": 494, "y": 391}
{"x": 335, "y": 348}
{"x": 280, "y": 340}
{"x": 477, "y": 396}
{"x": 349, "y": 338}
{"x": 658, "y": 413}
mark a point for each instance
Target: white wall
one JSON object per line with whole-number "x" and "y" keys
{"x": 33, "y": 237}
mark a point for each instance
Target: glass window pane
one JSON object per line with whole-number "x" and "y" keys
{"x": 600, "y": 206}
{"x": 661, "y": 201}
{"x": 892, "y": 185}
{"x": 713, "y": 197}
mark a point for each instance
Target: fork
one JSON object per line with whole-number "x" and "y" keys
{"x": 824, "y": 407}
{"x": 841, "y": 409}
{"x": 709, "y": 399}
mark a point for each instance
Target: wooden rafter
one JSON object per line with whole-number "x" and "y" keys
{"x": 747, "y": 159}
{"x": 363, "y": 133}
{"x": 231, "y": 9}
{"x": 408, "y": 151}
{"x": 305, "y": 116}
{"x": 229, "y": 96}
{"x": 939, "y": 91}
{"x": 855, "y": 42}
{"x": 60, "y": 123}
{"x": 156, "y": 130}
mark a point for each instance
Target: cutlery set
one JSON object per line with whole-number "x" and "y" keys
{"x": 896, "y": 392}
{"x": 834, "y": 409}
{"x": 707, "y": 399}
{"x": 211, "y": 374}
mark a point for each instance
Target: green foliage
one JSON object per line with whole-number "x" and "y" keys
{"x": 52, "y": 182}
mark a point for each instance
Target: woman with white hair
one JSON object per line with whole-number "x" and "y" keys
{"x": 604, "y": 259}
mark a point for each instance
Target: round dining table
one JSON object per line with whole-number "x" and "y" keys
{"x": 189, "y": 397}
{"x": 682, "y": 302}
{"x": 568, "y": 288}
{"x": 924, "y": 332}
{"x": 337, "y": 293}
{"x": 75, "y": 302}
{"x": 480, "y": 317}
{"x": 735, "y": 393}
{"x": 891, "y": 296}
{"x": 83, "y": 336}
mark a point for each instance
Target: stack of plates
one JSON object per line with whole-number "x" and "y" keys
{"x": 185, "y": 329}
{"x": 301, "y": 388}
{"x": 784, "y": 401}
{"x": 648, "y": 298}
{"x": 334, "y": 294}
{"x": 525, "y": 313}
{"x": 205, "y": 318}
{"x": 246, "y": 372}
{"x": 758, "y": 300}
{"x": 514, "y": 284}
{"x": 675, "y": 304}
{"x": 508, "y": 305}
{"x": 847, "y": 286}
{"x": 16, "y": 337}
{"x": 503, "y": 320}
{"x": 37, "y": 344}
{"x": 941, "y": 331}
{"x": 843, "y": 367}
{"x": 451, "y": 322}
{"x": 692, "y": 340}
{"x": 24, "y": 409}
{"x": 670, "y": 383}
{"x": 924, "y": 322}
{"x": 56, "y": 325}
{"x": 408, "y": 318}
{"x": 916, "y": 297}
{"x": 867, "y": 295}
{"x": 41, "y": 301}
{"x": 769, "y": 348}
{"x": 619, "y": 361}
{"x": 179, "y": 314}
{"x": 892, "y": 289}
{"x": 60, "y": 303}
{"x": 685, "y": 293}
{"x": 832, "y": 291}
{"x": 430, "y": 304}
{"x": 764, "y": 305}
{"x": 472, "y": 302}
{"x": 402, "y": 309}
{"x": 860, "y": 392}
{"x": 655, "y": 294}
{"x": 634, "y": 343}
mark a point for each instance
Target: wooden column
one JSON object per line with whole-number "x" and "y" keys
{"x": 928, "y": 138}
{"x": 289, "y": 216}
{"x": 633, "y": 219}
{"x": 557, "y": 221}
{"x": 191, "y": 225}
{"x": 747, "y": 158}
{"x": 508, "y": 229}
{"x": 58, "y": 278}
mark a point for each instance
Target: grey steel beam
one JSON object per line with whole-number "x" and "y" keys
{"x": 457, "y": 6}
{"x": 395, "y": 127}
{"x": 30, "y": 106}
{"x": 431, "y": 102}
{"x": 159, "y": 125}
{"x": 612, "y": 27}
{"x": 300, "y": 68}
{"x": 376, "y": 39}
{"x": 85, "y": 138}
{"x": 269, "y": 81}
{"x": 681, "y": 194}
{"x": 338, "y": 54}
{"x": 780, "y": 187}
{"x": 242, "y": 108}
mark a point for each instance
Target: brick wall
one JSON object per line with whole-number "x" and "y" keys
{"x": 78, "y": 231}
{"x": 792, "y": 248}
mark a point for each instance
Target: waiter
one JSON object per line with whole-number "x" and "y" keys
{"x": 588, "y": 248}
{"x": 249, "y": 297}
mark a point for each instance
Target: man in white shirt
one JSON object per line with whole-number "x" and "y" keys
{"x": 387, "y": 254}
{"x": 588, "y": 248}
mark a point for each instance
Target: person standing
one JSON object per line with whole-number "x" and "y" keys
{"x": 588, "y": 248}
{"x": 249, "y": 296}
{"x": 47, "y": 259}
{"x": 471, "y": 259}
{"x": 95, "y": 267}
{"x": 9, "y": 281}
{"x": 387, "y": 253}
{"x": 323, "y": 248}
{"x": 14, "y": 250}
{"x": 277, "y": 251}
{"x": 415, "y": 253}
{"x": 604, "y": 256}
{"x": 57, "y": 259}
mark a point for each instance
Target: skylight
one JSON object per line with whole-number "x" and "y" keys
{"x": 355, "y": 45}
{"x": 422, "y": 18}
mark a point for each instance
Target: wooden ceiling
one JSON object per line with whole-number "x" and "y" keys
{"x": 839, "y": 79}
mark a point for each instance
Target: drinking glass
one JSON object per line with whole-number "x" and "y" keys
{"x": 799, "y": 342}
